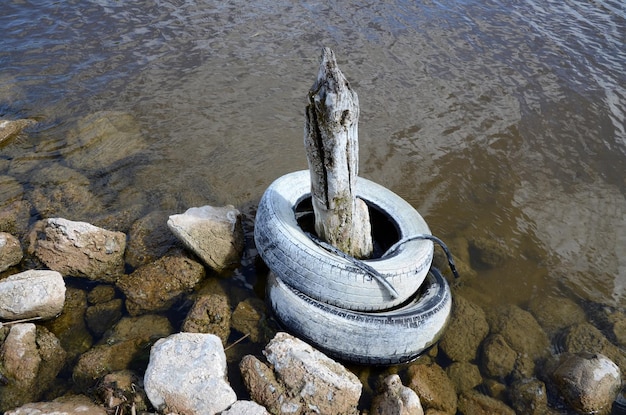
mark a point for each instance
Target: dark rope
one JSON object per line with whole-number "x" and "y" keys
{"x": 357, "y": 263}
{"x": 438, "y": 241}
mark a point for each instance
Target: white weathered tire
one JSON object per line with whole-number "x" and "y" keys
{"x": 380, "y": 338}
{"x": 304, "y": 265}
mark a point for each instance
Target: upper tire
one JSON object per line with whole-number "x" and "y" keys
{"x": 304, "y": 265}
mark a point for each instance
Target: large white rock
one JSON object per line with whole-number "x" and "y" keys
{"x": 323, "y": 385}
{"x": 213, "y": 233}
{"x": 187, "y": 374}
{"x": 32, "y": 293}
{"x": 79, "y": 249}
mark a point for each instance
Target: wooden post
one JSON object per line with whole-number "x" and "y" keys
{"x": 332, "y": 148}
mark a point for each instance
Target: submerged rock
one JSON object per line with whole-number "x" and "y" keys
{"x": 475, "y": 403}
{"x": 556, "y": 313}
{"x": 498, "y": 359}
{"x": 79, "y": 249}
{"x": 126, "y": 343}
{"x": 11, "y": 128}
{"x": 215, "y": 234}
{"x": 521, "y": 331}
{"x": 467, "y": 329}
{"x": 249, "y": 318}
{"x": 464, "y": 376}
{"x": 433, "y": 386}
{"x": 149, "y": 239}
{"x": 187, "y": 374}
{"x": 585, "y": 338}
{"x": 14, "y": 217}
{"x": 210, "y": 313}
{"x": 70, "y": 326}
{"x": 103, "y": 139}
{"x": 59, "y": 191}
{"x": 33, "y": 293}
{"x": 529, "y": 397}
{"x": 158, "y": 285}
{"x": 588, "y": 382}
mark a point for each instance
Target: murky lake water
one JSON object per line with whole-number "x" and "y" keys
{"x": 497, "y": 120}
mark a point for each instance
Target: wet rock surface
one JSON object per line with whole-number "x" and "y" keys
{"x": 434, "y": 388}
{"x": 127, "y": 343}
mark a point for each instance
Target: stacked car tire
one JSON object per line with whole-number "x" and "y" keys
{"x": 336, "y": 303}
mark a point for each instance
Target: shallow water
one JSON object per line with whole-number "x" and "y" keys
{"x": 498, "y": 120}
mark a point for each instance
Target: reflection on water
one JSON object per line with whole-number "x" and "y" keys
{"x": 497, "y": 120}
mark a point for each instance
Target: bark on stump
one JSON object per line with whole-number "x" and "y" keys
{"x": 331, "y": 143}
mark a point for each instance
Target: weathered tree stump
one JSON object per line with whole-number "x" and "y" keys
{"x": 331, "y": 143}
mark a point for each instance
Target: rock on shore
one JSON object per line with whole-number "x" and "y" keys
{"x": 215, "y": 234}
{"x": 187, "y": 374}
{"x": 79, "y": 249}
{"x": 300, "y": 379}
{"x": 33, "y": 293}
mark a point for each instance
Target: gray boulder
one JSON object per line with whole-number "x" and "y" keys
{"x": 33, "y": 293}
{"x": 214, "y": 234}
{"x": 187, "y": 374}
{"x": 79, "y": 249}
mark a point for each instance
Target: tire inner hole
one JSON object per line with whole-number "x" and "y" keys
{"x": 385, "y": 230}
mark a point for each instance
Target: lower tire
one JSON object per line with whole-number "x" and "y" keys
{"x": 379, "y": 338}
